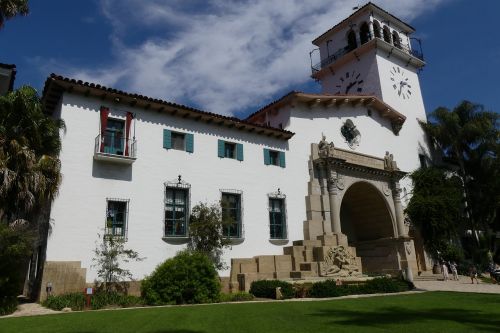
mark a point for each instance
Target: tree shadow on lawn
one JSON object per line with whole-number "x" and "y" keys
{"x": 155, "y": 331}
{"x": 474, "y": 320}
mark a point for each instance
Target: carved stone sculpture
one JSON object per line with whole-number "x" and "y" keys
{"x": 389, "y": 163}
{"x": 339, "y": 262}
{"x": 325, "y": 149}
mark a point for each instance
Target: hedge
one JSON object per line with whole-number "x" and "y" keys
{"x": 267, "y": 289}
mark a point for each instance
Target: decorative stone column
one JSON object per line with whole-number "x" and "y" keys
{"x": 370, "y": 28}
{"x": 334, "y": 200}
{"x": 396, "y": 191}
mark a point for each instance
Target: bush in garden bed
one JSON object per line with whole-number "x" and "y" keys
{"x": 329, "y": 288}
{"x": 189, "y": 277}
{"x": 78, "y": 301}
{"x": 8, "y": 304}
{"x": 267, "y": 289}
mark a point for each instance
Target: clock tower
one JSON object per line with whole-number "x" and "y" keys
{"x": 372, "y": 53}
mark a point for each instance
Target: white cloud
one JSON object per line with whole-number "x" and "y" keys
{"x": 222, "y": 56}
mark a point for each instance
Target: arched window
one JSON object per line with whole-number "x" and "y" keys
{"x": 396, "y": 40}
{"x": 387, "y": 35}
{"x": 364, "y": 33}
{"x": 351, "y": 41}
{"x": 376, "y": 29}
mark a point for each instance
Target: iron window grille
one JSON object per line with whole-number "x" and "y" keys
{"x": 116, "y": 224}
{"x": 277, "y": 216}
{"x": 176, "y": 208}
{"x": 232, "y": 213}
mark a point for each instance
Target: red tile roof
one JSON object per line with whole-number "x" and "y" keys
{"x": 56, "y": 85}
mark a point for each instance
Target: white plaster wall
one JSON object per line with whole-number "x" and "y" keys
{"x": 366, "y": 66}
{"x": 78, "y": 213}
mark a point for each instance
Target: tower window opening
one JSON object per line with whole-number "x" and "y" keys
{"x": 396, "y": 40}
{"x": 387, "y": 35}
{"x": 364, "y": 33}
{"x": 351, "y": 41}
{"x": 376, "y": 29}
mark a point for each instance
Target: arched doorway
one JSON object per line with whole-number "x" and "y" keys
{"x": 366, "y": 220}
{"x": 351, "y": 41}
{"x": 364, "y": 33}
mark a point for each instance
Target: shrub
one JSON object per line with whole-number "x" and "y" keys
{"x": 329, "y": 288}
{"x": 8, "y": 304}
{"x": 385, "y": 285}
{"x": 267, "y": 288}
{"x": 75, "y": 301}
{"x": 189, "y": 277}
{"x": 236, "y": 297}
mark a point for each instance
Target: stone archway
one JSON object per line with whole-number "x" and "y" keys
{"x": 367, "y": 222}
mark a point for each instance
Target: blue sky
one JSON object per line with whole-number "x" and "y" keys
{"x": 231, "y": 57}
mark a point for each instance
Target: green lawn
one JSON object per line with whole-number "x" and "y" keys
{"x": 427, "y": 312}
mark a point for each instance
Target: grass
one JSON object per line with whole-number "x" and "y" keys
{"x": 426, "y": 312}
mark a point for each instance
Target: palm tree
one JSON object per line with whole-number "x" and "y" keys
{"x": 468, "y": 137}
{"x": 29, "y": 164}
{"x": 11, "y": 8}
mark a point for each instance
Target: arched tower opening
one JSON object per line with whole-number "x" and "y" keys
{"x": 376, "y": 29}
{"x": 396, "y": 40}
{"x": 387, "y": 35}
{"x": 364, "y": 33}
{"x": 351, "y": 41}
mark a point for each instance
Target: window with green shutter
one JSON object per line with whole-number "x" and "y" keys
{"x": 274, "y": 157}
{"x": 232, "y": 150}
{"x": 178, "y": 141}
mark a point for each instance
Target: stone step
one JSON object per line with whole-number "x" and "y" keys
{"x": 307, "y": 242}
{"x": 305, "y": 266}
{"x": 301, "y": 275}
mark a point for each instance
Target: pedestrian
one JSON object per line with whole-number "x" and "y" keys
{"x": 473, "y": 274}
{"x": 444, "y": 268}
{"x": 453, "y": 267}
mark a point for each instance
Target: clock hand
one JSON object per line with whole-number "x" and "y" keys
{"x": 350, "y": 86}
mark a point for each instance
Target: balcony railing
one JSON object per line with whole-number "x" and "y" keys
{"x": 112, "y": 147}
{"x": 344, "y": 50}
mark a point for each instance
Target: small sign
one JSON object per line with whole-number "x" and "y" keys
{"x": 89, "y": 291}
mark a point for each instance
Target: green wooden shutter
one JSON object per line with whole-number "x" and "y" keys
{"x": 282, "y": 159}
{"x": 267, "y": 158}
{"x": 220, "y": 148}
{"x": 167, "y": 139}
{"x": 189, "y": 142}
{"x": 239, "y": 152}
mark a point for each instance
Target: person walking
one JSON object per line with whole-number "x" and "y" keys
{"x": 454, "y": 271}
{"x": 473, "y": 274}
{"x": 444, "y": 268}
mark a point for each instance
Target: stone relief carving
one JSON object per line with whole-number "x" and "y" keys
{"x": 386, "y": 189}
{"x": 340, "y": 182}
{"x": 351, "y": 134}
{"x": 339, "y": 261}
{"x": 389, "y": 163}
{"x": 408, "y": 248}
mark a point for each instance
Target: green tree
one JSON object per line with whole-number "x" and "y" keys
{"x": 11, "y": 8}
{"x": 436, "y": 208}
{"x": 467, "y": 139}
{"x": 110, "y": 255}
{"x": 206, "y": 233}
{"x": 29, "y": 166}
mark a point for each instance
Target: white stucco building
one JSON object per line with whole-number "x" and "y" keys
{"x": 133, "y": 166}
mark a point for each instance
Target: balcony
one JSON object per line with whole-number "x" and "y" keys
{"x": 113, "y": 148}
{"x": 332, "y": 58}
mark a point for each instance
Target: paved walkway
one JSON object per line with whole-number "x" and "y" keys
{"x": 31, "y": 309}
{"x": 463, "y": 285}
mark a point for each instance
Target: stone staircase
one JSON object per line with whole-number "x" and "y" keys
{"x": 428, "y": 276}
{"x": 305, "y": 259}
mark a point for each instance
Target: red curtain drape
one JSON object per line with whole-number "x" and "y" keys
{"x": 104, "y": 124}
{"x": 127, "y": 131}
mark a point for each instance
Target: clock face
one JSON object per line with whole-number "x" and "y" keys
{"x": 349, "y": 83}
{"x": 400, "y": 83}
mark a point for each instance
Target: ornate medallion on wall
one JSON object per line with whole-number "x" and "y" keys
{"x": 350, "y": 134}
